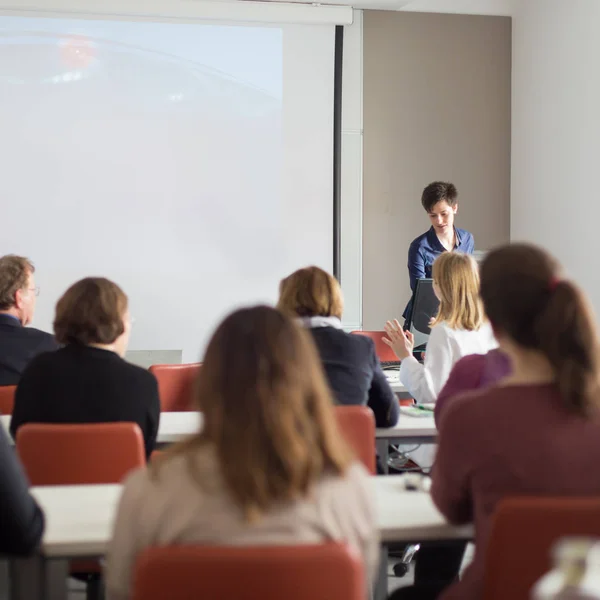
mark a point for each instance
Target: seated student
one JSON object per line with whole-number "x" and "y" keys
{"x": 351, "y": 365}
{"x": 440, "y": 201}
{"x": 536, "y": 431}
{"x": 21, "y": 520}
{"x": 18, "y": 343}
{"x": 473, "y": 372}
{"x": 458, "y": 329}
{"x": 268, "y": 468}
{"x": 88, "y": 381}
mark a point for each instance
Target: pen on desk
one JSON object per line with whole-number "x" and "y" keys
{"x": 421, "y": 407}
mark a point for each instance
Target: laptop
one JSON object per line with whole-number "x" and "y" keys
{"x": 425, "y": 306}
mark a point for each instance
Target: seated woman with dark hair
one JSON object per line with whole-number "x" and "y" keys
{"x": 269, "y": 468}
{"x": 87, "y": 381}
{"x": 351, "y": 365}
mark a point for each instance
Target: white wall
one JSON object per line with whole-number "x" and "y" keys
{"x": 555, "y": 132}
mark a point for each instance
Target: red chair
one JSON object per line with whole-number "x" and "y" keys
{"x": 309, "y": 572}
{"x": 384, "y": 352}
{"x": 523, "y": 533}
{"x": 80, "y": 454}
{"x": 176, "y": 386}
{"x": 73, "y": 454}
{"x": 357, "y": 424}
{"x": 7, "y": 399}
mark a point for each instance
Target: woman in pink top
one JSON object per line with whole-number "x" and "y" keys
{"x": 473, "y": 372}
{"x": 537, "y": 431}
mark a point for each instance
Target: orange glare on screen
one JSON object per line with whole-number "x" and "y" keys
{"x": 76, "y": 51}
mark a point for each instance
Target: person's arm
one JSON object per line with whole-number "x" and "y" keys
{"x": 425, "y": 381}
{"x": 451, "y": 474}
{"x": 416, "y": 265}
{"x": 382, "y": 400}
{"x": 465, "y": 375}
{"x": 21, "y": 519}
{"x": 130, "y": 537}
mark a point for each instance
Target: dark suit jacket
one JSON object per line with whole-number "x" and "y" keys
{"x": 354, "y": 373}
{"x": 81, "y": 384}
{"x": 21, "y": 520}
{"x": 18, "y": 345}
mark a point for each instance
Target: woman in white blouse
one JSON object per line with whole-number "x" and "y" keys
{"x": 459, "y": 329}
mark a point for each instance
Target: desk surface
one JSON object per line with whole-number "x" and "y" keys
{"x": 393, "y": 377}
{"x": 176, "y": 426}
{"x": 79, "y": 518}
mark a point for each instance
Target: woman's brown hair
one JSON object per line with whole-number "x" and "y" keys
{"x": 90, "y": 312}
{"x": 311, "y": 292}
{"x": 525, "y": 299}
{"x": 457, "y": 279}
{"x": 268, "y": 412}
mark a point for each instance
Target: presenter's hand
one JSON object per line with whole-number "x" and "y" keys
{"x": 401, "y": 342}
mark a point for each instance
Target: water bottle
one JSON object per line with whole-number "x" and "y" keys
{"x": 576, "y": 572}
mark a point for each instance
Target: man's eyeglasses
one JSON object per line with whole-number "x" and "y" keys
{"x": 35, "y": 290}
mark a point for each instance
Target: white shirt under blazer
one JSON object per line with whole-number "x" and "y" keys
{"x": 444, "y": 348}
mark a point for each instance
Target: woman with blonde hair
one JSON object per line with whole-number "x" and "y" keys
{"x": 314, "y": 298}
{"x": 459, "y": 329}
{"x": 269, "y": 466}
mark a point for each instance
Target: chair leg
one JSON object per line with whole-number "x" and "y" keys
{"x": 95, "y": 589}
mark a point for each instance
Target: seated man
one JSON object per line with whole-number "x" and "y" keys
{"x": 18, "y": 343}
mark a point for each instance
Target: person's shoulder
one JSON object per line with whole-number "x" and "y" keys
{"x": 135, "y": 375}
{"x": 341, "y": 338}
{"x": 419, "y": 240}
{"x": 466, "y": 237}
{"x": 441, "y": 331}
{"x": 41, "y": 337}
{"x": 472, "y": 365}
{"x": 471, "y": 409}
{"x": 355, "y": 479}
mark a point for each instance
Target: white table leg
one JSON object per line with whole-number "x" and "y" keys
{"x": 38, "y": 578}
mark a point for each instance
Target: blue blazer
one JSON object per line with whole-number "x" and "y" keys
{"x": 354, "y": 373}
{"x": 425, "y": 249}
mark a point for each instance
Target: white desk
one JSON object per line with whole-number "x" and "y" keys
{"x": 79, "y": 525}
{"x": 393, "y": 377}
{"x": 175, "y": 426}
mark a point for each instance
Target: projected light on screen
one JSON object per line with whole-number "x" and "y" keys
{"x": 181, "y": 160}
{"x": 77, "y": 51}
{"x": 179, "y": 109}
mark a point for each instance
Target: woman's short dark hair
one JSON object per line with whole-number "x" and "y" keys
{"x": 90, "y": 312}
{"x": 437, "y": 192}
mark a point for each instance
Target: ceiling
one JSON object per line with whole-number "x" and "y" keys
{"x": 473, "y": 7}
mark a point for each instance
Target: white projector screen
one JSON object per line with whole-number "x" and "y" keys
{"x": 190, "y": 163}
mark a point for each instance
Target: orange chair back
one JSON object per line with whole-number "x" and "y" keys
{"x": 357, "y": 424}
{"x": 523, "y": 533}
{"x": 79, "y": 453}
{"x": 310, "y": 572}
{"x": 7, "y": 399}
{"x": 176, "y": 386}
{"x": 384, "y": 352}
